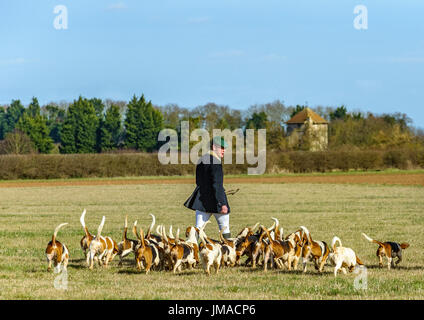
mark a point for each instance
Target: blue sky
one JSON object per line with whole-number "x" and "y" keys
{"x": 237, "y": 53}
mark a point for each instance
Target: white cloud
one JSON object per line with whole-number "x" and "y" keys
{"x": 11, "y": 62}
{"x": 117, "y": 6}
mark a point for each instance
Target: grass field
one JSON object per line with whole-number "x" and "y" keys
{"x": 28, "y": 217}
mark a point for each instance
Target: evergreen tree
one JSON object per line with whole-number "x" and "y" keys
{"x": 37, "y": 130}
{"x": 34, "y": 108}
{"x": 142, "y": 125}
{"x": 55, "y": 117}
{"x": 34, "y": 125}
{"x": 297, "y": 110}
{"x": 13, "y": 113}
{"x": 257, "y": 121}
{"x": 111, "y": 129}
{"x": 79, "y": 130}
{"x": 2, "y": 123}
{"x": 99, "y": 107}
{"x": 339, "y": 113}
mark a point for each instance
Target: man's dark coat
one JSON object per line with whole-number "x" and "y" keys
{"x": 209, "y": 195}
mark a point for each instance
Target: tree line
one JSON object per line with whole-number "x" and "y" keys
{"x": 99, "y": 126}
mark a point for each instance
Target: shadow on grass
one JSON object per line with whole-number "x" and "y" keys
{"x": 189, "y": 273}
{"x": 132, "y": 271}
{"x": 77, "y": 266}
{"x": 395, "y": 268}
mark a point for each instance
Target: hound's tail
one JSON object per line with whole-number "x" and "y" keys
{"x": 142, "y": 237}
{"x": 202, "y": 234}
{"x": 281, "y": 233}
{"x": 134, "y": 229}
{"x": 204, "y": 225}
{"x": 82, "y": 220}
{"x": 56, "y": 231}
{"x": 221, "y": 237}
{"x": 277, "y": 228}
{"x": 308, "y": 235}
{"x": 163, "y": 233}
{"x": 171, "y": 235}
{"x": 202, "y": 237}
{"x": 334, "y": 241}
{"x": 404, "y": 245}
{"x": 255, "y": 226}
{"x": 124, "y": 237}
{"x": 149, "y": 232}
{"x": 358, "y": 261}
{"x": 135, "y": 232}
{"x": 99, "y": 230}
{"x": 263, "y": 234}
{"x": 177, "y": 238}
{"x": 372, "y": 240}
{"x": 265, "y": 231}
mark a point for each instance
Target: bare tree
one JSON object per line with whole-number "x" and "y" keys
{"x": 16, "y": 142}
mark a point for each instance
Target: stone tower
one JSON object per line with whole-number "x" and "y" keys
{"x": 307, "y": 131}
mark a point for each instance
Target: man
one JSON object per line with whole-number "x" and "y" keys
{"x": 209, "y": 196}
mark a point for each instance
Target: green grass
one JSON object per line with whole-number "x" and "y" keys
{"x": 28, "y": 217}
{"x": 245, "y": 176}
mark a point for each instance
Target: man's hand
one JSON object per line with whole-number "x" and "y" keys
{"x": 224, "y": 209}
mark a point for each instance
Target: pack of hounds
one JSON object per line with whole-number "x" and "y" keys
{"x": 262, "y": 246}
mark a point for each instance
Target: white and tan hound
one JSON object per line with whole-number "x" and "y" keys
{"x": 314, "y": 250}
{"x": 88, "y": 237}
{"x": 210, "y": 252}
{"x": 388, "y": 249}
{"x": 56, "y": 252}
{"x": 126, "y": 246}
{"x": 104, "y": 248}
{"x": 342, "y": 257}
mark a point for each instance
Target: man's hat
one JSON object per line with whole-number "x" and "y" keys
{"x": 220, "y": 142}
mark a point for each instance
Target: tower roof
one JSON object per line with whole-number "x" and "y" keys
{"x": 303, "y": 115}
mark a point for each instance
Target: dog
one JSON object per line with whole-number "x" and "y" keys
{"x": 183, "y": 252}
{"x": 242, "y": 245}
{"x": 126, "y": 246}
{"x": 342, "y": 257}
{"x": 281, "y": 252}
{"x": 167, "y": 244}
{"x": 390, "y": 250}
{"x": 87, "y": 238}
{"x": 145, "y": 253}
{"x": 243, "y": 233}
{"x": 255, "y": 248}
{"x": 56, "y": 252}
{"x": 258, "y": 247}
{"x": 241, "y": 242}
{"x": 153, "y": 237}
{"x": 299, "y": 237}
{"x": 210, "y": 252}
{"x": 228, "y": 248}
{"x": 104, "y": 248}
{"x": 314, "y": 250}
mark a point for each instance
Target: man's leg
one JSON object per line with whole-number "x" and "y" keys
{"x": 223, "y": 223}
{"x": 201, "y": 219}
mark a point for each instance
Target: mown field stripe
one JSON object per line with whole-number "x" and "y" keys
{"x": 404, "y": 178}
